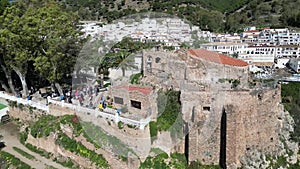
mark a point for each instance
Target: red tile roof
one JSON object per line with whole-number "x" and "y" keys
{"x": 144, "y": 90}
{"x": 217, "y": 57}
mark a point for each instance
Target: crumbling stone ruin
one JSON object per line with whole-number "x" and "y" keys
{"x": 226, "y": 122}
{"x": 224, "y": 118}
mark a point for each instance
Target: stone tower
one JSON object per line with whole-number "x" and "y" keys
{"x": 224, "y": 118}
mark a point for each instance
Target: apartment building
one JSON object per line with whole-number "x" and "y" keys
{"x": 259, "y": 55}
{"x": 228, "y": 48}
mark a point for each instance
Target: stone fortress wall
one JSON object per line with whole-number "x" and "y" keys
{"x": 253, "y": 118}
{"x": 223, "y": 123}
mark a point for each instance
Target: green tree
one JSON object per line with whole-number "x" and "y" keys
{"x": 3, "y": 5}
{"x": 5, "y": 74}
{"x": 91, "y": 54}
{"x": 15, "y": 40}
{"x": 58, "y": 43}
{"x": 40, "y": 35}
{"x": 2, "y": 81}
{"x": 122, "y": 54}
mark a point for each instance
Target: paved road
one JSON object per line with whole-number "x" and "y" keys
{"x": 10, "y": 133}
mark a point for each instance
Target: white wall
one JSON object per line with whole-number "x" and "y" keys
{"x": 281, "y": 62}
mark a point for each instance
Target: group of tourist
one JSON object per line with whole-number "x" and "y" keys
{"x": 86, "y": 94}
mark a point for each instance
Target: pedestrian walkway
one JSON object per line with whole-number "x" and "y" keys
{"x": 10, "y": 134}
{"x": 108, "y": 113}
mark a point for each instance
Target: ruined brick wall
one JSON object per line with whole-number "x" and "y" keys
{"x": 252, "y": 115}
{"x": 127, "y": 96}
{"x": 25, "y": 114}
{"x": 202, "y": 111}
{"x": 176, "y": 69}
{"x": 252, "y": 123}
{"x": 56, "y": 110}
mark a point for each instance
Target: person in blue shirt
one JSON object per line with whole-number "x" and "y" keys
{"x": 119, "y": 111}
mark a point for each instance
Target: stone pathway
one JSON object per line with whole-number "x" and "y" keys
{"x": 10, "y": 134}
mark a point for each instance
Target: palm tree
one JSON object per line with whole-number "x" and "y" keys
{"x": 125, "y": 61}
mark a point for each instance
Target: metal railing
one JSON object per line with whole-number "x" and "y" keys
{"x": 108, "y": 113}
{"x": 25, "y": 102}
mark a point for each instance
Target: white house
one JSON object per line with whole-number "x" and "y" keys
{"x": 227, "y": 48}
{"x": 259, "y": 55}
{"x": 281, "y": 62}
{"x": 288, "y": 51}
{"x": 250, "y": 34}
{"x": 254, "y": 69}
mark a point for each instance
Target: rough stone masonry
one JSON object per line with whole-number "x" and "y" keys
{"x": 224, "y": 116}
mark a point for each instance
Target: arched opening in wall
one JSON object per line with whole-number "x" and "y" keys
{"x": 149, "y": 64}
{"x": 222, "y": 160}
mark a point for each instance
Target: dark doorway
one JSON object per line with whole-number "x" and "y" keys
{"x": 223, "y": 140}
{"x": 2, "y": 145}
{"x": 206, "y": 108}
{"x": 136, "y": 104}
{"x": 186, "y": 142}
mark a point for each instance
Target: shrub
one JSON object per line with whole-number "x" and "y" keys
{"x": 170, "y": 117}
{"x": 106, "y": 85}
{"x": 178, "y": 161}
{"x": 23, "y": 137}
{"x": 66, "y": 162}
{"x": 38, "y": 150}
{"x": 291, "y": 101}
{"x": 135, "y": 78}
{"x": 50, "y": 167}
{"x": 120, "y": 125}
{"x": 157, "y": 161}
{"x": 44, "y": 126}
{"x": 222, "y": 80}
{"x": 198, "y": 165}
{"x": 12, "y": 160}
{"x": 130, "y": 126}
{"x": 23, "y": 153}
{"x": 12, "y": 103}
{"x": 81, "y": 150}
{"x": 153, "y": 130}
{"x": 235, "y": 83}
{"x": 21, "y": 106}
{"x": 101, "y": 139}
